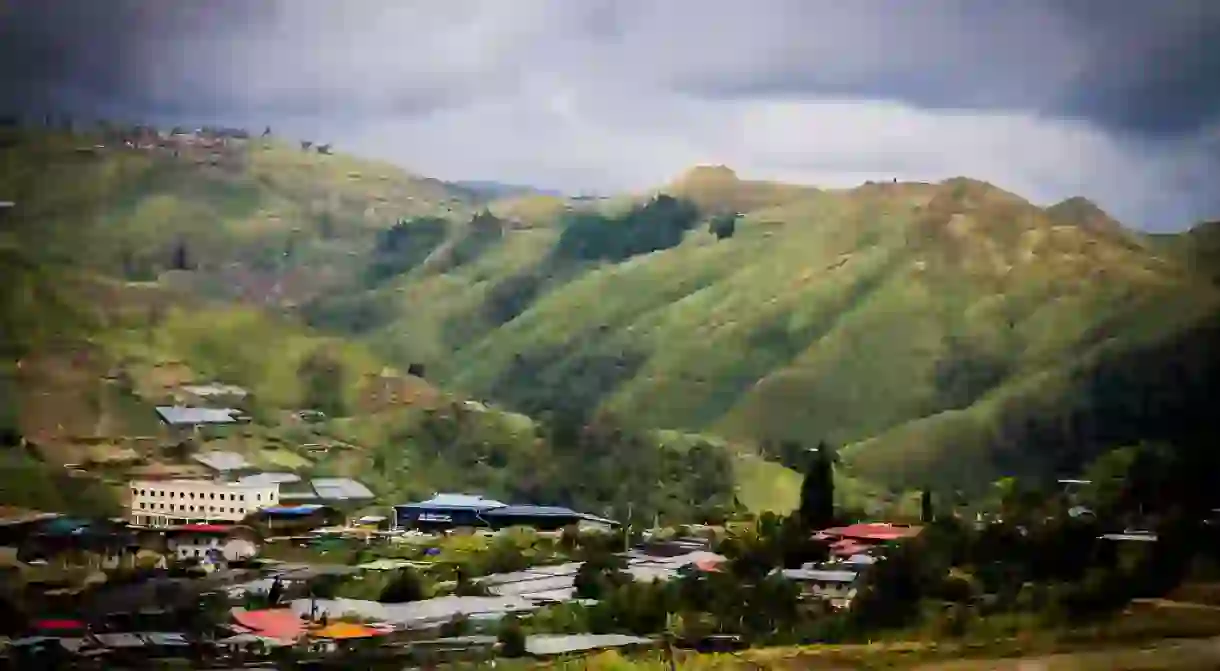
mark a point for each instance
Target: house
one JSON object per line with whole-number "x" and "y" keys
{"x": 159, "y": 503}
{"x": 186, "y": 421}
{"x": 859, "y": 538}
{"x": 211, "y": 542}
{"x": 836, "y": 586}
{"x": 448, "y": 511}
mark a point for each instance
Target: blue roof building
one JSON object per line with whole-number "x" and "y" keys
{"x": 446, "y": 511}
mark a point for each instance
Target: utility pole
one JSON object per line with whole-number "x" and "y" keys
{"x": 627, "y": 535}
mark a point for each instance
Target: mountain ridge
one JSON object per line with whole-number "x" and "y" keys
{"x": 908, "y": 322}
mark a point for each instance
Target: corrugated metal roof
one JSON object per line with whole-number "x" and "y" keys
{"x": 441, "y": 500}
{"x": 222, "y": 461}
{"x": 340, "y": 489}
{"x": 533, "y": 511}
{"x": 176, "y": 415}
{"x": 819, "y": 575}
{"x": 418, "y": 614}
{"x": 214, "y": 389}
{"x": 558, "y": 644}
{"x": 271, "y": 478}
{"x": 164, "y": 638}
{"x": 534, "y": 585}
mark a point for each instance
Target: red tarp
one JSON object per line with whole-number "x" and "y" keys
{"x": 59, "y": 624}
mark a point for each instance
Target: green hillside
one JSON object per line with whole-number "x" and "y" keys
{"x": 943, "y": 333}
{"x": 1198, "y": 249}
{"x": 137, "y": 321}
{"x": 933, "y": 328}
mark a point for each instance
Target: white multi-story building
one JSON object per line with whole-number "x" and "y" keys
{"x": 157, "y": 503}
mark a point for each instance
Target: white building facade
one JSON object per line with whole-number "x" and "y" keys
{"x": 157, "y": 503}
{"x": 202, "y": 545}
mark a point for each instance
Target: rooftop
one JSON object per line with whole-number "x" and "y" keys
{"x": 214, "y": 389}
{"x": 270, "y": 478}
{"x": 558, "y": 644}
{"x": 222, "y": 461}
{"x": 440, "y": 500}
{"x": 872, "y": 531}
{"x": 417, "y": 614}
{"x": 177, "y": 415}
{"x": 819, "y": 575}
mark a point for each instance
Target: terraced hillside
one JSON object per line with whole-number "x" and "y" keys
{"x": 944, "y": 333}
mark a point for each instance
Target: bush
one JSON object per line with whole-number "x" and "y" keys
{"x": 406, "y": 585}
{"x": 458, "y": 625}
{"x": 511, "y": 637}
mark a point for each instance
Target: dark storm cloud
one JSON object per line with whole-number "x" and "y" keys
{"x": 219, "y": 58}
{"x": 1111, "y": 99}
{"x": 1139, "y": 67}
{"x": 1155, "y": 66}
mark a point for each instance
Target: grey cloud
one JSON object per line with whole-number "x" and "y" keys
{"x": 610, "y": 94}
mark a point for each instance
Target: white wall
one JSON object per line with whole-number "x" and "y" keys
{"x": 164, "y": 502}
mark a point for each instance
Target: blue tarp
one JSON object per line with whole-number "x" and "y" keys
{"x": 303, "y": 510}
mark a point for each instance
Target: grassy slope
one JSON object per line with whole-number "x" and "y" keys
{"x": 905, "y": 319}
{"x": 911, "y": 321}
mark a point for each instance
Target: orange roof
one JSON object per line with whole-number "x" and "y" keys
{"x": 872, "y": 531}
{"x": 345, "y": 630}
{"x": 279, "y": 623}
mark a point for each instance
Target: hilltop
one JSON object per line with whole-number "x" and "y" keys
{"x": 942, "y": 333}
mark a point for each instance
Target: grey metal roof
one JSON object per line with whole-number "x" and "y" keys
{"x": 340, "y": 489}
{"x": 120, "y": 640}
{"x": 819, "y": 575}
{"x": 558, "y": 644}
{"x": 533, "y": 573}
{"x": 177, "y": 415}
{"x": 164, "y": 638}
{"x": 534, "y": 511}
{"x": 535, "y": 585}
{"x": 271, "y": 478}
{"x": 214, "y": 389}
{"x": 860, "y": 560}
{"x": 418, "y": 614}
{"x": 474, "y": 501}
{"x": 222, "y": 461}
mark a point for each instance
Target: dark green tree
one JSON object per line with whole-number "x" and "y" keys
{"x": 406, "y": 585}
{"x": 323, "y": 378}
{"x": 511, "y": 637}
{"x": 723, "y": 225}
{"x": 817, "y": 490}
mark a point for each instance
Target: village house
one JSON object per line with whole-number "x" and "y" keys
{"x": 449, "y": 511}
{"x": 211, "y": 542}
{"x": 835, "y": 586}
{"x": 159, "y": 503}
{"x": 860, "y": 538}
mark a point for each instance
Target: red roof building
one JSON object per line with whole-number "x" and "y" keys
{"x": 857, "y": 538}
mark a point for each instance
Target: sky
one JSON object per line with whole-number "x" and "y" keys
{"x": 1114, "y": 100}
